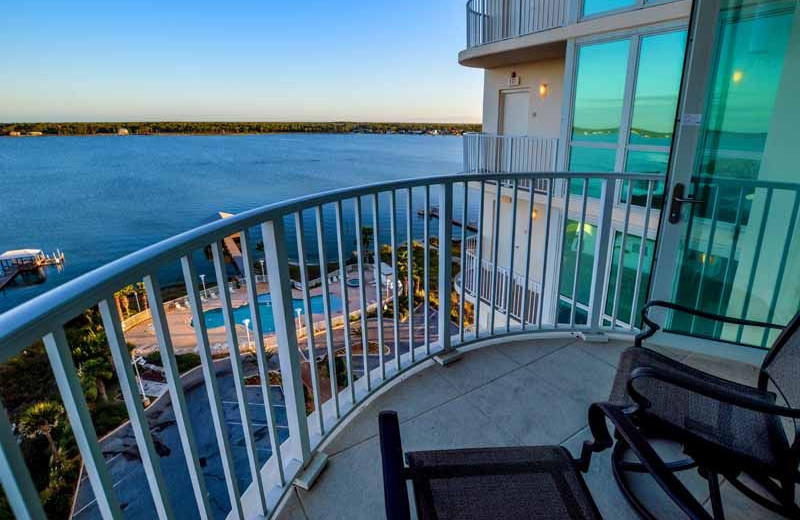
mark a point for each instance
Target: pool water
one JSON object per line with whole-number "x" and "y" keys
{"x": 213, "y": 317}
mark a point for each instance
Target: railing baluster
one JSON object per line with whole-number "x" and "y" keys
{"x": 378, "y": 284}
{"x": 286, "y": 336}
{"x": 642, "y": 251}
{"x": 529, "y": 218}
{"x": 731, "y": 255}
{"x": 362, "y": 292}
{"x": 581, "y": 235}
{"x": 348, "y": 348}
{"x": 709, "y": 250}
{"x": 261, "y": 358}
{"x": 782, "y": 268}
{"x": 395, "y": 277}
{"x": 543, "y": 283}
{"x": 511, "y": 254}
{"x": 212, "y": 385}
{"x": 621, "y": 260}
{"x": 445, "y": 264}
{"x": 427, "y": 252}
{"x": 479, "y": 260}
{"x": 14, "y": 475}
{"x": 326, "y": 308}
{"x": 69, "y": 386}
{"x": 564, "y": 223}
{"x": 410, "y": 239}
{"x": 495, "y": 247}
{"x": 238, "y": 371}
{"x": 463, "y": 267}
{"x": 133, "y": 402}
{"x": 309, "y": 318}
{"x": 176, "y": 394}
{"x": 754, "y": 265}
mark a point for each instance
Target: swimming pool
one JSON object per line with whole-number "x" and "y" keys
{"x": 213, "y": 317}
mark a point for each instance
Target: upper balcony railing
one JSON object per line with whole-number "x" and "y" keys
{"x": 494, "y": 20}
{"x": 386, "y": 344}
{"x": 492, "y": 153}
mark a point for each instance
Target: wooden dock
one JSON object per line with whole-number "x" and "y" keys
{"x": 434, "y": 212}
{"x": 21, "y": 261}
{"x": 7, "y": 276}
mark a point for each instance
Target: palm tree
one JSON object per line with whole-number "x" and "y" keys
{"x": 366, "y": 239}
{"x": 93, "y": 374}
{"x": 41, "y": 419}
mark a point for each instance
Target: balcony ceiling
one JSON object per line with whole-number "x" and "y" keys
{"x": 517, "y": 393}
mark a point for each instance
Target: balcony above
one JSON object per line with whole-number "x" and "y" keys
{"x": 506, "y": 32}
{"x": 516, "y": 393}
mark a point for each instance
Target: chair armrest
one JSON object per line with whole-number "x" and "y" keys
{"x": 706, "y": 389}
{"x": 653, "y": 327}
{"x": 672, "y": 486}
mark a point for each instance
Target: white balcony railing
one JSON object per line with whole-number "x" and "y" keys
{"x": 446, "y": 322}
{"x": 524, "y": 298}
{"x": 494, "y": 20}
{"x": 491, "y": 153}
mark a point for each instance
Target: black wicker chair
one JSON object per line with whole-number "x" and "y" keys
{"x": 540, "y": 482}
{"x": 725, "y": 428}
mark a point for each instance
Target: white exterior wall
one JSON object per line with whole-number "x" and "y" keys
{"x": 544, "y": 115}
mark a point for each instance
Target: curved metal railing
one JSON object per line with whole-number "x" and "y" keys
{"x": 425, "y": 314}
{"x": 494, "y": 20}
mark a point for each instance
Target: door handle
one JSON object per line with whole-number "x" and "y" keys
{"x": 678, "y": 200}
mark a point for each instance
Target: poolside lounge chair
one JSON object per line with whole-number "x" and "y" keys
{"x": 516, "y": 482}
{"x": 726, "y": 428}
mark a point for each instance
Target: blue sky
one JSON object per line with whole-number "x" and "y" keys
{"x": 364, "y": 60}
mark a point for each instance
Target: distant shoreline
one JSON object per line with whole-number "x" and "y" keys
{"x": 229, "y": 128}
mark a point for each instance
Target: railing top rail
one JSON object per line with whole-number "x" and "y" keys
{"x": 28, "y": 322}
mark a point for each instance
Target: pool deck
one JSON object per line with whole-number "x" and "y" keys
{"x": 183, "y": 334}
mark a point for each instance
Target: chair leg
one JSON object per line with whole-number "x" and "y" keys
{"x": 787, "y": 507}
{"x": 716, "y": 496}
{"x": 617, "y": 464}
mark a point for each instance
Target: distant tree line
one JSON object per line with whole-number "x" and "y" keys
{"x": 205, "y": 127}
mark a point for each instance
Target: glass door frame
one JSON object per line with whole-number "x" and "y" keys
{"x": 694, "y": 97}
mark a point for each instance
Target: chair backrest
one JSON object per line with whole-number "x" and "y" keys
{"x": 782, "y": 364}
{"x": 395, "y": 493}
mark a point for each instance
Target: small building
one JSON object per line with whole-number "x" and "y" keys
{"x": 14, "y": 134}
{"x": 34, "y": 134}
{"x": 123, "y": 131}
{"x": 17, "y": 257}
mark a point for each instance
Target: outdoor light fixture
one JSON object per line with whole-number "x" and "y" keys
{"x": 534, "y": 214}
{"x": 543, "y": 90}
{"x": 737, "y": 76}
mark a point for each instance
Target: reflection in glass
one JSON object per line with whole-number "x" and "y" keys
{"x": 599, "y": 91}
{"x": 746, "y": 80}
{"x": 630, "y": 261}
{"x": 594, "y": 160}
{"x": 658, "y": 81}
{"x": 591, "y": 7}
{"x": 569, "y": 257}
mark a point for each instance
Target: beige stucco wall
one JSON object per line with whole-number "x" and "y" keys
{"x": 544, "y": 116}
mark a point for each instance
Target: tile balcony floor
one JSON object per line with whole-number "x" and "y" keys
{"x": 517, "y": 393}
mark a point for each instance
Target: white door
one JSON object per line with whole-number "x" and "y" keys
{"x": 514, "y": 106}
{"x": 730, "y": 236}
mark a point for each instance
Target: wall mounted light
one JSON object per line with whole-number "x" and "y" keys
{"x": 543, "y": 90}
{"x": 737, "y": 76}
{"x": 534, "y": 214}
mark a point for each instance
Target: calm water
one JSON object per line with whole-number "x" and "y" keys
{"x": 99, "y": 198}
{"x": 214, "y": 319}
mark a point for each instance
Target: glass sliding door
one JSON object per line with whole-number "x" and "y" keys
{"x": 737, "y": 247}
{"x": 626, "y": 93}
